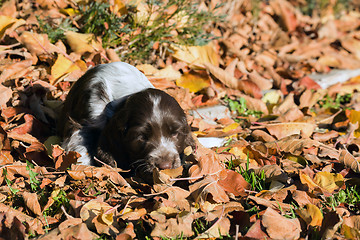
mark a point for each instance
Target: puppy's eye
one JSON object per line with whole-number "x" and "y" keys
{"x": 174, "y": 131}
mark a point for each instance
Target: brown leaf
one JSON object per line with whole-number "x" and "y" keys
{"x": 5, "y": 94}
{"x": 70, "y": 229}
{"x": 311, "y": 214}
{"x": 349, "y": 161}
{"x": 14, "y": 69}
{"x": 94, "y": 209}
{"x": 5, "y": 148}
{"x": 271, "y": 204}
{"x": 65, "y": 160}
{"x": 279, "y": 227}
{"x": 260, "y": 135}
{"x": 11, "y": 227}
{"x": 233, "y": 182}
{"x": 175, "y": 226}
{"x": 272, "y": 173}
{"x": 331, "y": 223}
{"x": 31, "y": 201}
{"x": 207, "y": 164}
{"x": 256, "y": 231}
{"x": 260, "y": 81}
{"x": 281, "y": 130}
{"x": 255, "y": 104}
{"x": 206, "y": 188}
{"x": 37, "y": 44}
{"x": 220, "y": 228}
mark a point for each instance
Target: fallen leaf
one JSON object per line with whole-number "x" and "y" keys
{"x": 11, "y": 227}
{"x": 175, "y": 226}
{"x": 193, "y": 81}
{"x": 233, "y": 182}
{"x": 196, "y": 56}
{"x": 81, "y": 43}
{"x": 329, "y": 181}
{"x": 283, "y": 229}
{"x": 349, "y": 161}
{"x": 281, "y": 130}
{"x": 5, "y": 23}
{"x": 96, "y": 209}
{"x": 37, "y": 44}
{"x": 311, "y": 214}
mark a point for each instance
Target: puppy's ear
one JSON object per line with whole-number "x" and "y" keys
{"x": 189, "y": 140}
{"x": 120, "y": 122}
{"x": 109, "y": 149}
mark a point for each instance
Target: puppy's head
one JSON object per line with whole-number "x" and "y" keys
{"x": 152, "y": 130}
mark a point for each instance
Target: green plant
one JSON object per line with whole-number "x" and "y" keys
{"x": 60, "y": 199}
{"x": 329, "y": 103}
{"x": 34, "y": 182}
{"x": 240, "y": 107}
{"x": 165, "y": 23}
{"x": 97, "y": 18}
{"x": 9, "y": 183}
{"x": 257, "y": 182}
{"x": 349, "y": 196}
{"x": 55, "y": 31}
{"x": 310, "y": 7}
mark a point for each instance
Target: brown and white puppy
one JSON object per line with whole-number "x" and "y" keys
{"x": 115, "y": 114}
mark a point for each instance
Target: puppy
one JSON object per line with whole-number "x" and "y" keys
{"x": 113, "y": 113}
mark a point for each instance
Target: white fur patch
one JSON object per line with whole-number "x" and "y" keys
{"x": 166, "y": 147}
{"x": 76, "y": 143}
{"x": 156, "y": 112}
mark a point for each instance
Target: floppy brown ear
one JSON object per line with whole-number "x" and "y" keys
{"x": 110, "y": 145}
{"x": 189, "y": 140}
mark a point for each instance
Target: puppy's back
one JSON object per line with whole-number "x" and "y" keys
{"x": 98, "y": 87}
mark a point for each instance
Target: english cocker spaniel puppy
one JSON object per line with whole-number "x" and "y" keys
{"x": 114, "y": 114}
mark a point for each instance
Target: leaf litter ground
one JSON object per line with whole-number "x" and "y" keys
{"x": 290, "y": 165}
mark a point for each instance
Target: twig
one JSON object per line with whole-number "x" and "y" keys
{"x": 68, "y": 216}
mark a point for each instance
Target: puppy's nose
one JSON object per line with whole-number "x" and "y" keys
{"x": 164, "y": 165}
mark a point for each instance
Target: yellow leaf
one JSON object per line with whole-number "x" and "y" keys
{"x": 168, "y": 73}
{"x": 305, "y": 179}
{"x": 63, "y": 66}
{"x": 195, "y": 56}
{"x": 119, "y": 7}
{"x": 329, "y": 61}
{"x": 354, "y": 116}
{"x": 106, "y": 218}
{"x": 5, "y": 23}
{"x": 188, "y": 150}
{"x": 230, "y": 127}
{"x": 147, "y": 69}
{"x": 272, "y": 97}
{"x": 355, "y": 79}
{"x": 60, "y": 67}
{"x": 193, "y": 82}
{"x": 329, "y": 181}
{"x": 69, "y": 11}
{"x": 239, "y": 152}
{"x": 299, "y": 159}
{"x": 82, "y": 42}
{"x": 311, "y": 215}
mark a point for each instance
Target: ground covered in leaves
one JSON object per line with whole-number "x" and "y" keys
{"x": 289, "y": 167}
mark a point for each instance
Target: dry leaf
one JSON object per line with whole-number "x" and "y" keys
{"x": 281, "y": 130}
{"x": 284, "y": 228}
{"x": 193, "y": 81}
{"x": 349, "y": 161}
{"x": 311, "y": 214}
{"x": 81, "y": 43}
{"x": 196, "y": 56}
